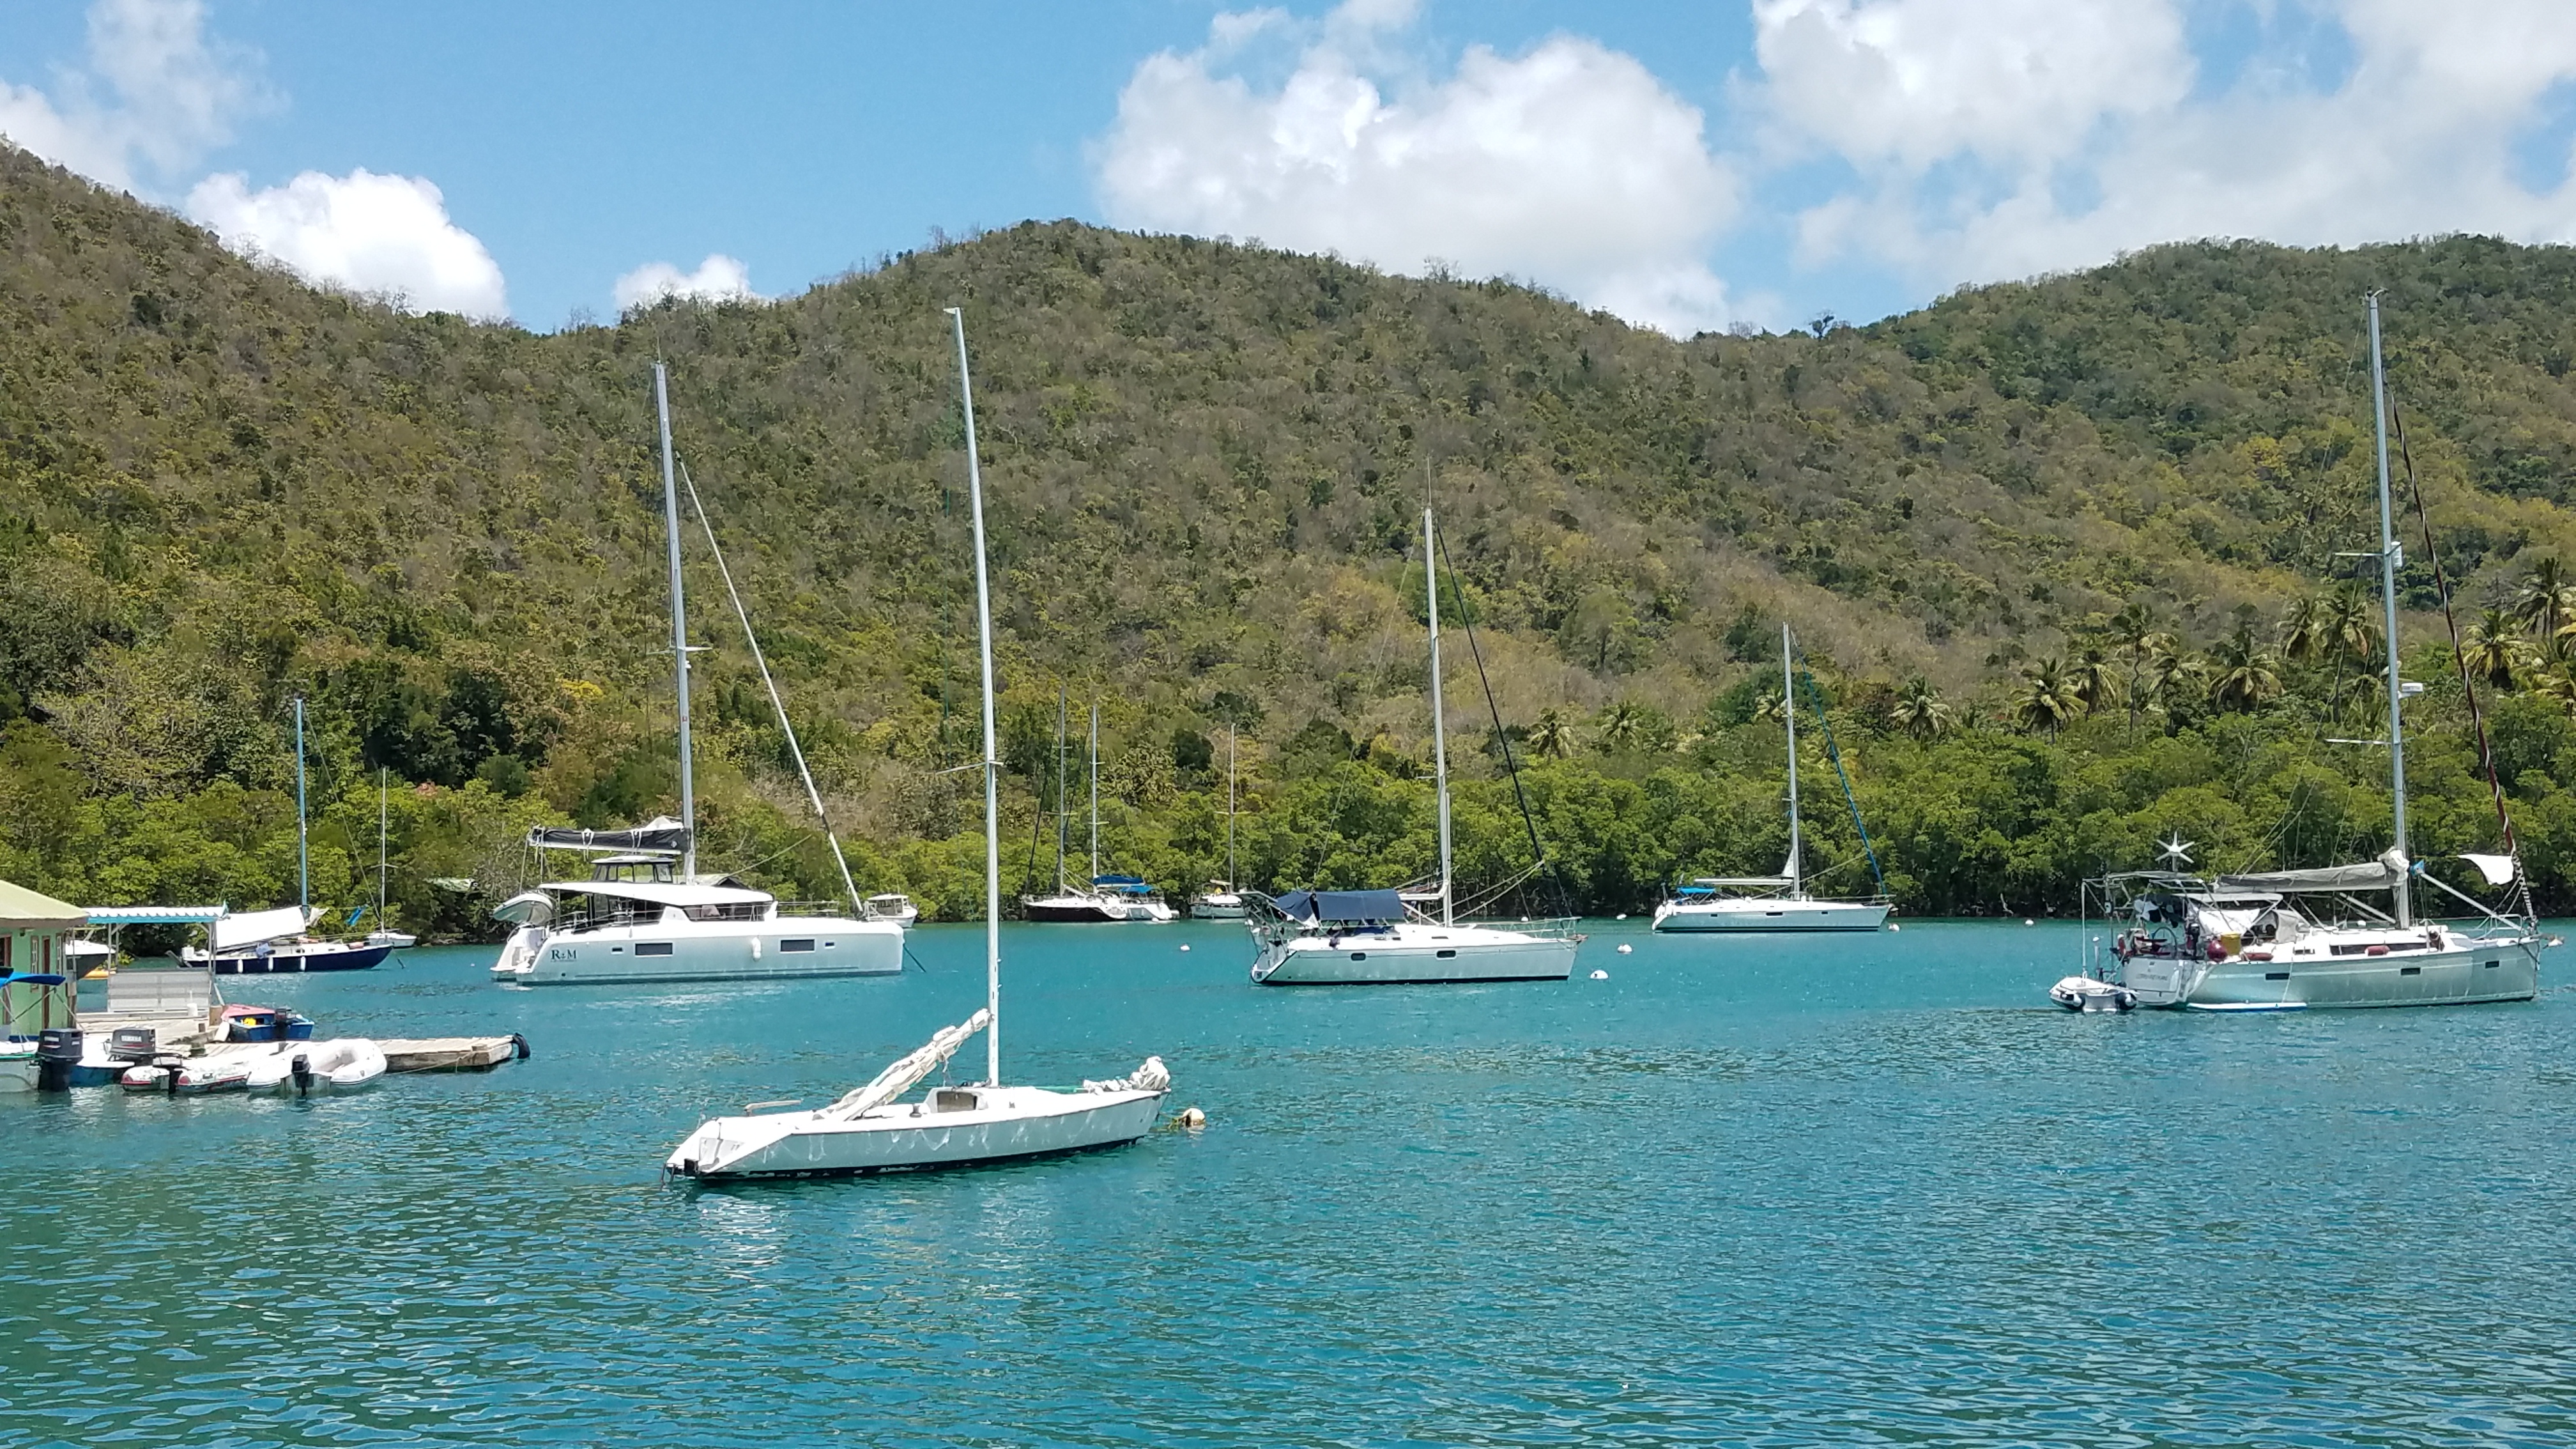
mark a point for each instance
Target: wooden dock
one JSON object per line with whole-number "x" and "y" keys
{"x": 451, "y": 1053}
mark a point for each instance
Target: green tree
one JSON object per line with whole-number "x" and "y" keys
{"x": 2242, "y": 673}
{"x": 2046, "y": 699}
{"x": 1919, "y": 711}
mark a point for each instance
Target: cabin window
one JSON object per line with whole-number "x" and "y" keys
{"x": 652, "y": 948}
{"x": 2276, "y": 975}
{"x": 806, "y": 944}
{"x": 1444, "y": 955}
{"x": 2491, "y": 965}
{"x": 2410, "y": 970}
{"x": 1359, "y": 955}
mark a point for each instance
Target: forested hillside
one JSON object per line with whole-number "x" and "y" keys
{"x": 2066, "y": 557}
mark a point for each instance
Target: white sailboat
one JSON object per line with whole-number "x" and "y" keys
{"x": 1110, "y": 898}
{"x": 1222, "y": 902}
{"x": 1380, "y": 937}
{"x": 869, "y": 1129}
{"x": 1769, "y": 902}
{"x": 2309, "y": 939}
{"x": 634, "y": 920}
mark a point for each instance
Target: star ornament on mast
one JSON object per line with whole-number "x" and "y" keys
{"x": 2176, "y": 851}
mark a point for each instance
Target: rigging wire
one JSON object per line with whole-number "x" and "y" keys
{"x": 2460, "y": 657}
{"x": 1501, "y": 737}
{"x": 1835, "y": 755}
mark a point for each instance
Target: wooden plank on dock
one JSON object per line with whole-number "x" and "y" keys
{"x": 449, "y": 1053}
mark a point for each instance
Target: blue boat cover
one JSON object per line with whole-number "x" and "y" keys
{"x": 1342, "y": 905}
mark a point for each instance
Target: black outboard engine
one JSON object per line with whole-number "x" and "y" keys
{"x": 134, "y": 1044}
{"x": 58, "y": 1050}
{"x": 302, "y": 1070}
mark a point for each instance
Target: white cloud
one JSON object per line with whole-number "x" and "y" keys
{"x": 1998, "y": 140}
{"x": 719, "y": 278}
{"x": 176, "y": 94}
{"x": 382, "y": 235}
{"x": 1570, "y": 165}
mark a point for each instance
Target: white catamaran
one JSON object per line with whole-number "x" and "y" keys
{"x": 1382, "y": 937}
{"x": 869, "y": 1129}
{"x": 2303, "y": 939}
{"x": 1770, "y": 902}
{"x": 635, "y": 920}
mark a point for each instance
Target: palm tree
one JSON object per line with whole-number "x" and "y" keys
{"x": 2303, "y": 630}
{"x": 1918, "y": 710}
{"x": 1767, "y": 705}
{"x": 2492, "y": 648}
{"x": 2242, "y": 675}
{"x": 2093, "y": 679}
{"x": 2046, "y": 699}
{"x": 1623, "y": 726}
{"x": 2349, "y": 634}
{"x": 2546, "y": 603}
{"x": 1551, "y": 738}
{"x": 2134, "y": 631}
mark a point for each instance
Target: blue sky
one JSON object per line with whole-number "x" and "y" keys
{"x": 1687, "y": 165}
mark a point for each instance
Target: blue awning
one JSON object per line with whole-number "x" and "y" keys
{"x": 1342, "y": 906}
{"x": 154, "y": 915}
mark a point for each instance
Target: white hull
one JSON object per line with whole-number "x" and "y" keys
{"x": 1756, "y": 913}
{"x": 1414, "y": 953}
{"x": 18, "y": 1070}
{"x": 1077, "y": 909}
{"x": 786, "y": 948}
{"x": 1218, "y": 908}
{"x": 1000, "y": 1125}
{"x": 345, "y": 1064}
{"x": 399, "y": 940}
{"x": 2461, "y": 975}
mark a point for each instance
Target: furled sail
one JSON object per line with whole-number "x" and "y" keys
{"x": 2382, "y": 874}
{"x": 662, "y": 835}
{"x": 898, "y": 1079}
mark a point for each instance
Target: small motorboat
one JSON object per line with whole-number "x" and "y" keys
{"x": 265, "y": 1023}
{"x": 2084, "y": 993}
{"x": 892, "y": 906}
{"x": 188, "y": 1077}
{"x": 343, "y": 1064}
{"x": 18, "y": 1066}
{"x": 396, "y": 940}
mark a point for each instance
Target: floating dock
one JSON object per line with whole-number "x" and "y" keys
{"x": 452, "y": 1053}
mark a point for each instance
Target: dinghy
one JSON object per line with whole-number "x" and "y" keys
{"x": 194, "y": 1077}
{"x": 869, "y": 1129}
{"x": 343, "y": 1064}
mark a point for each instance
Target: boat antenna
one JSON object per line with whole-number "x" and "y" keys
{"x": 992, "y": 763}
{"x": 1789, "y": 716}
{"x": 679, "y": 625}
{"x": 795, "y": 751}
{"x": 2390, "y": 556}
{"x": 1439, "y": 726}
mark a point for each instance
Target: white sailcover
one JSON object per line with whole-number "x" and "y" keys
{"x": 250, "y": 928}
{"x": 899, "y": 1078}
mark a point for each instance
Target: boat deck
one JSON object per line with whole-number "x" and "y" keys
{"x": 451, "y": 1053}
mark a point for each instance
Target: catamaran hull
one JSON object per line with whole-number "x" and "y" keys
{"x": 1761, "y": 915}
{"x": 2476, "y": 975}
{"x": 1358, "y": 961}
{"x": 885, "y": 1142}
{"x": 622, "y": 956}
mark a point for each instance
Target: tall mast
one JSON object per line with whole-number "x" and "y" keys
{"x": 992, "y": 764}
{"x": 1095, "y": 792}
{"x": 1061, "y": 815}
{"x": 1789, "y": 713}
{"x": 679, "y": 626}
{"x": 2389, "y": 558}
{"x": 1230, "y": 883}
{"x": 1439, "y": 726}
{"x": 303, "y": 862}
{"x": 383, "y": 797}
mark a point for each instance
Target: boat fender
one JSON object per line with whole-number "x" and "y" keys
{"x": 2217, "y": 952}
{"x": 519, "y": 1044}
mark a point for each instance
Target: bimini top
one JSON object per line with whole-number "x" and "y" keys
{"x": 1341, "y": 906}
{"x": 660, "y": 893}
{"x": 1123, "y": 885}
{"x": 661, "y": 835}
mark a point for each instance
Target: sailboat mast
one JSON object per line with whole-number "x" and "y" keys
{"x": 383, "y": 804}
{"x": 1095, "y": 794}
{"x": 1789, "y": 713}
{"x": 2388, "y": 561}
{"x": 1439, "y": 725}
{"x": 1230, "y": 882}
{"x": 992, "y": 763}
{"x": 679, "y": 625}
{"x": 303, "y": 862}
{"x": 1061, "y": 814}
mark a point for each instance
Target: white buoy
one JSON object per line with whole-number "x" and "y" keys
{"x": 1600, "y": 975}
{"x": 1185, "y": 945}
{"x": 1894, "y": 927}
{"x": 1192, "y": 1118}
{"x": 2027, "y": 921}
{"x": 1623, "y": 915}
{"x": 1625, "y": 948}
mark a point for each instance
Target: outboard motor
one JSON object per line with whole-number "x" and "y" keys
{"x": 134, "y": 1044}
{"x": 302, "y": 1070}
{"x": 58, "y": 1050}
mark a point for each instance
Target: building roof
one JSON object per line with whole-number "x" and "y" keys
{"x": 21, "y": 907}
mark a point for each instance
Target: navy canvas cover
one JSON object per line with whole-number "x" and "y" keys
{"x": 1342, "y": 906}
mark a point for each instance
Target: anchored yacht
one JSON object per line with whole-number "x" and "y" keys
{"x": 1104, "y": 899}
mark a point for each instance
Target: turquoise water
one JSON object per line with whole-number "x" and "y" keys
{"x": 1833, "y": 1191}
